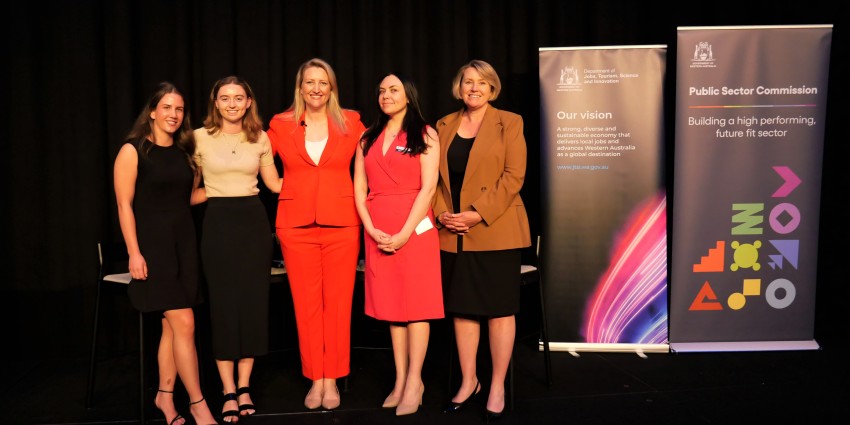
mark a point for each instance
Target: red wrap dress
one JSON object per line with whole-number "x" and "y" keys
{"x": 404, "y": 286}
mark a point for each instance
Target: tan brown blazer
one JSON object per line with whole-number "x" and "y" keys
{"x": 494, "y": 176}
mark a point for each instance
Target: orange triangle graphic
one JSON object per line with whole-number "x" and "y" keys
{"x": 705, "y": 299}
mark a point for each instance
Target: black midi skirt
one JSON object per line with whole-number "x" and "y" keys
{"x": 236, "y": 254}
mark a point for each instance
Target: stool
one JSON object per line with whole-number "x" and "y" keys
{"x": 119, "y": 279}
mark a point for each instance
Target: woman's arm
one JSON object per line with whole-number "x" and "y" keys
{"x": 124, "y": 180}
{"x": 429, "y": 162}
{"x": 271, "y": 178}
{"x": 199, "y": 194}
{"x": 361, "y": 191}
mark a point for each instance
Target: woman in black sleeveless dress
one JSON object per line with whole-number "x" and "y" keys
{"x": 155, "y": 181}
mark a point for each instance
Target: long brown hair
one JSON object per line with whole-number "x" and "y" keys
{"x": 252, "y": 124}
{"x": 143, "y": 127}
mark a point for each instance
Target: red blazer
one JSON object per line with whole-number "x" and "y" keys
{"x": 311, "y": 193}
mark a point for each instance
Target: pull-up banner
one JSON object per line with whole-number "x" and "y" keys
{"x": 750, "y": 115}
{"x": 604, "y": 238}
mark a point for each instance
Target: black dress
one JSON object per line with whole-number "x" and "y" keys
{"x": 477, "y": 283}
{"x": 165, "y": 231}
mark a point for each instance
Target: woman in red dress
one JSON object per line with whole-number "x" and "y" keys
{"x": 395, "y": 176}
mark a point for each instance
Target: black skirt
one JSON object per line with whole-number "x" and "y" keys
{"x": 481, "y": 283}
{"x": 236, "y": 253}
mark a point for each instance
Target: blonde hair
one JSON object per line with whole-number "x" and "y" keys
{"x": 334, "y": 110}
{"x": 487, "y": 72}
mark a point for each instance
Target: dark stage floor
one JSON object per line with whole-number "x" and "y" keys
{"x": 593, "y": 388}
{"x": 809, "y": 386}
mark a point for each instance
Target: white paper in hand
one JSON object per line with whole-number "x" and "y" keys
{"x": 424, "y": 226}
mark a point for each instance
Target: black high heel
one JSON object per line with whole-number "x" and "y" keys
{"x": 492, "y": 416}
{"x": 454, "y": 407}
{"x": 176, "y": 418}
{"x": 228, "y": 413}
{"x": 246, "y": 406}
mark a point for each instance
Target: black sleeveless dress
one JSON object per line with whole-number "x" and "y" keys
{"x": 166, "y": 232}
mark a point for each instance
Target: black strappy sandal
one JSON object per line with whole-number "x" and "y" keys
{"x": 196, "y": 402}
{"x": 229, "y": 413}
{"x": 246, "y": 406}
{"x": 176, "y": 418}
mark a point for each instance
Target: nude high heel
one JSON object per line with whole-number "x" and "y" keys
{"x": 314, "y": 399}
{"x": 391, "y": 401}
{"x": 330, "y": 403}
{"x": 408, "y": 409}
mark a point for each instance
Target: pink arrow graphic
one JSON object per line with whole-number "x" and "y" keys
{"x": 791, "y": 181}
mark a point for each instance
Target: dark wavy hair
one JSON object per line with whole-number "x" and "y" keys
{"x": 143, "y": 127}
{"x": 413, "y": 123}
{"x": 252, "y": 124}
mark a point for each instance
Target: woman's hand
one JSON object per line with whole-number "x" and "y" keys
{"x": 393, "y": 243}
{"x": 460, "y": 223}
{"x": 379, "y": 236}
{"x": 138, "y": 267}
{"x": 384, "y": 241}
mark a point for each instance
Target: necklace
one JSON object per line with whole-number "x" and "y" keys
{"x": 391, "y": 136}
{"x": 229, "y": 137}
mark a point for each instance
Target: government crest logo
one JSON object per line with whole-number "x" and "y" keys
{"x": 703, "y": 55}
{"x": 569, "y": 80}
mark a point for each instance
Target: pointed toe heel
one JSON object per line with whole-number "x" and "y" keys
{"x": 409, "y": 409}
{"x": 331, "y": 403}
{"x": 491, "y": 416}
{"x": 454, "y": 407}
{"x": 391, "y": 402}
{"x": 313, "y": 401}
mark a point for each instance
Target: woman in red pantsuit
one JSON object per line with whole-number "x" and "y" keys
{"x": 318, "y": 225}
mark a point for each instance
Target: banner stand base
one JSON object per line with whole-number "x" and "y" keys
{"x": 685, "y": 347}
{"x": 575, "y": 347}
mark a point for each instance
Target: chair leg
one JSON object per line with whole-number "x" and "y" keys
{"x": 544, "y": 333}
{"x": 142, "y": 403}
{"x": 90, "y": 384}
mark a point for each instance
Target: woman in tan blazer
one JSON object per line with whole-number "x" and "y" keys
{"x": 483, "y": 226}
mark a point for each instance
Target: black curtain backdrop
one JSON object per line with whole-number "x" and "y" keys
{"x": 76, "y": 74}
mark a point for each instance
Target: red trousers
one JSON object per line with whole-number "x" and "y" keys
{"x": 321, "y": 263}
